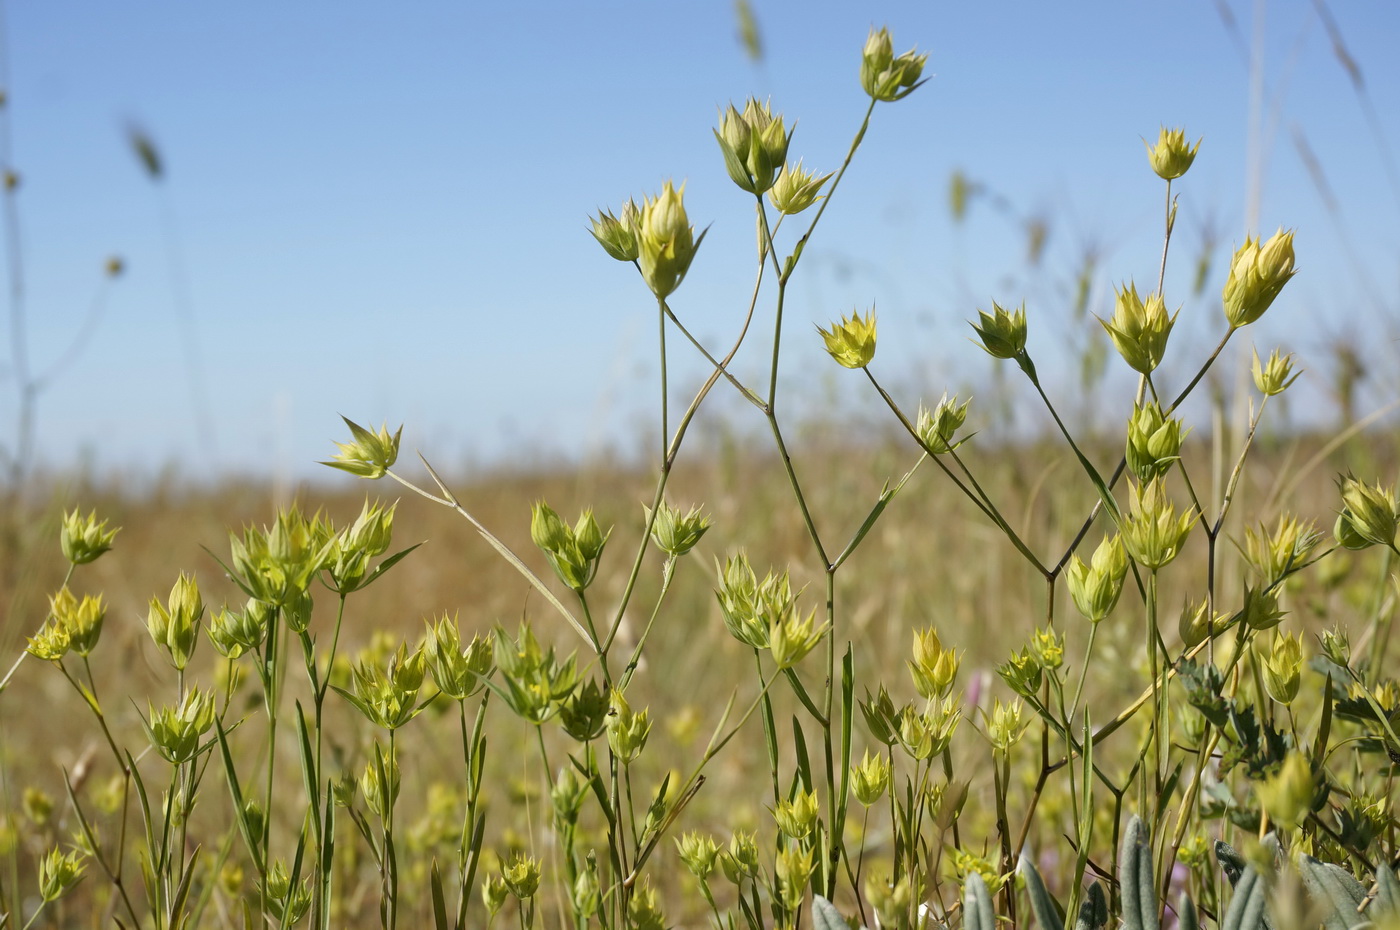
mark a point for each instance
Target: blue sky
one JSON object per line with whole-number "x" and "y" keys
{"x": 382, "y": 211}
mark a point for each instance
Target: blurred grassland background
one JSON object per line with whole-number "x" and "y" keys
{"x": 500, "y": 379}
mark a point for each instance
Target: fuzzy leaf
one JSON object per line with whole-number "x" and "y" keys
{"x": 1135, "y": 873}
{"x": 1047, "y": 914}
{"x": 1334, "y": 888}
{"x": 977, "y": 905}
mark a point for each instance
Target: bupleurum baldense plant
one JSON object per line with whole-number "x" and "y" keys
{"x": 1115, "y": 776}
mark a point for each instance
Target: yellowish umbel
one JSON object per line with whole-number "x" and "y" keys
{"x": 666, "y": 242}
{"x": 1257, "y": 275}
{"x": 1172, "y": 156}
{"x": 1140, "y": 328}
{"x": 852, "y": 341}
{"x": 885, "y": 77}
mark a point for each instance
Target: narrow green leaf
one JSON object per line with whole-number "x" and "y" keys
{"x": 439, "y": 900}
{"x": 1186, "y": 916}
{"x": 1093, "y": 913}
{"x": 1246, "y": 911}
{"x": 1387, "y": 901}
{"x": 1135, "y": 873}
{"x": 1047, "y": 913}
{"x": 254, "y": 844}
{"x": 1333, "y": 887}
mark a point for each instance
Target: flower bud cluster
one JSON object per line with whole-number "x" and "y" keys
{"x": 885, "y": 77}
{"x": 764, "y": 614}
{"x": 1257, "y": 275}
{"x": 72, "y": 626}
{"x": 852, "y": 341}
{"x": 1152, "y": 531}
{"x": 1276, "y": 376}
{"x": 666, "y": 242}
{"x": 1279, "y": 554}
{"x": 627, "y": 729}
{"x": 367, "y": 455}
{"x": 574, "y": 551}
{"x": 936, "y": 429}
{"x": 536, "y": 683}
{"x": 458, "y": 671}
{"x": 676, "y": 533}
{"x": 933, "y": 668}
{"x": 1002, "y": 332}
{"x": 1369, "y": 515}
{"x": 175, "y": 732}
{"x": 1172, "y": 156}
{"x": 1095, "y": 587}
{"x": 388, "y": 696}
{"x": 1139, "y": 328}
{"x": 175, "y": 625}
{"x": 84, "y": 539}
{"x": 1154, "y": 442}
{"x": 754, "y": 144}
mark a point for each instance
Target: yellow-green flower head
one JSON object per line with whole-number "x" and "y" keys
{"x": 1196, "y": 623}
{"x": 388, "y": 696}
{"x": 1095, "y": 587}
{"x": 1369, "y": 515}
{"x": 1257, "y": 274}
{"x": 1005, "y": 725}
{"x": 83, "y": 539}
{"x": 458, "y": 672}
{"x": 677, "y": 533}
{"x": 522, "y": 876}
{"x": 1021, "y": 672}
{"x": 891, "y": 900}
{"x": 175, "y": 731}
{"x": 936, "y": 429}
{"x": 744, "y": 602}
{"x": 881, "y": 716}
{"x": 587, "y": 894}
{"x": 885, "y": 77}
{"x": 494, "y": 893}
{"x": 1172, "y": 155}
{"x": 1152, "y": 532}
{"x": 790, "y": 637}
{"x": 380, "y": 797}
{"x": 58, "y": 872}
{"x": 643, "y": 911}
{"x": 618, "y": 234}
{"x": 80, "y": 620}
{"x": 700, "y": 853}
{"x": 793, "y": 868}
{"x": 1261, "y": 609}
{"x": 367, "y": 455}
{"x": 1154, "y": 442}
{"x": 1287, "y": 795}
{"x": 1276, "y": 376}
{"x": 666, "y": 241}
{"x": 754, "y": 144}
{"x": 852, "y": 341}
{"x": 1140, "y": 328}
{"x": 627, "y": 730}
{"x": 870, "y": 778}
{"x": 796, "y": 189}
{"x": 1284, "y": 551}
{"x": 1283, "y": 668}
{"x": 175, "y": 625}
{"x": 797, "y": 816}
{"x": 933, "y": 668}
{"x": 1003, "y": 332}
{"x": 51, "y": 643}
{"x": 740, "y": 861}
{"x": 1048, "y": 648}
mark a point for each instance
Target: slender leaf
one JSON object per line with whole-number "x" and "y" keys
{"x": 1135, "y": 874}
{"x": 977, "y": 904}
{"x": 1047, "y": 913}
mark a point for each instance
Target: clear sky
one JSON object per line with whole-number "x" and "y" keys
{"x": 381, "y": 210}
